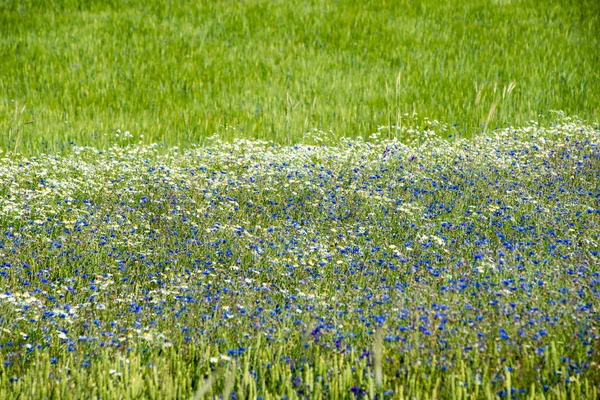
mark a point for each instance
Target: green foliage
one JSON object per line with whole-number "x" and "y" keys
{"x": 187, "y": 373}
{"x": 176, "y": 72}
{"x": 375, "y": 259}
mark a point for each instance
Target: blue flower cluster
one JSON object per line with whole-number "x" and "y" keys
{"x": 482, "y": 253}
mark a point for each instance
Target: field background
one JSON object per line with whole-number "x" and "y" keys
{"x": 338, "y": 267}
{"x": 176, "y": 72}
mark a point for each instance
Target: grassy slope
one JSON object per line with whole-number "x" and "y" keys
{"x": 177, "y": 72}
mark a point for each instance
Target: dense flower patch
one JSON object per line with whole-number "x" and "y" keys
{"x": 355, "y": 268}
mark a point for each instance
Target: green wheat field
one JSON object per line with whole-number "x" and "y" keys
{"x": 299, "y": 199}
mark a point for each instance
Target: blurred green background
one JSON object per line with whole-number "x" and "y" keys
{"x": 178, "y": 71}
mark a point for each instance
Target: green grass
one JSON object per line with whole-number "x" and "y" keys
{"x": 176, "y": 72}
{"x": 349, "y": 233}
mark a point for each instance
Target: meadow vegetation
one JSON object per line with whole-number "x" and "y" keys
{"x": 176, "y": 72}
{"x": 337, "y": 268}
{"x": 292, "y": 200}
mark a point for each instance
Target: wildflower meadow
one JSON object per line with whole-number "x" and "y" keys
{"x": 336, "y": 268}
{"x": 246, "y": 200}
